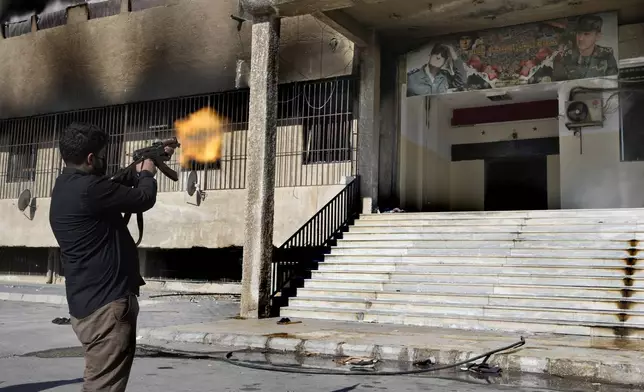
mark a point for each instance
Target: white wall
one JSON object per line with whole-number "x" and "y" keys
{"x": 467, "y": 186}
{"x": 425, "y": 154}
{"x": 176, "y": 222}
{"x": 497, "y": 132}
{"x": 631, "y": 41}
{"x": 429, "y": 180}
{"x": 596, "y": 177}
{"x": 554, "y": 182}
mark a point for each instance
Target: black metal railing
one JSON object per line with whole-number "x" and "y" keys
{"x": 301, "y": 253}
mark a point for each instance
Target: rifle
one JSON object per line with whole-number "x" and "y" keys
{"x": 156, "y": 153}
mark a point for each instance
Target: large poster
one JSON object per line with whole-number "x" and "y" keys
{"x": 550, "y": 51}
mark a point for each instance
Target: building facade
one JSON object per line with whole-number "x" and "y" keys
{"x": 134, "y": 68}
{"x": 360, "y": 94}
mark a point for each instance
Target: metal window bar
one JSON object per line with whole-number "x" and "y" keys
{"x": 139, "y": 5}
{"x": 102, "y": 9}
{"x": 51, "y": 19}
{"x": 15, "y": 29}
{"x": 316, "y": 142}
{"x": 317, "y": 133}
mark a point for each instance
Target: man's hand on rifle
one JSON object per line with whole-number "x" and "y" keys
{"x": 148, "y": 164}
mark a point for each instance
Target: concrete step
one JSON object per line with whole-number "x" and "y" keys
{"x": 472, "y": 269}
{"x": 597, "y": 213}
{"x": 483, "y": 252}
{"x": 576, "y": 314}
{"x": 442, "y": 221}
{"x": 458, "y": 260}
{"x": 465, "y": 278}
{"x": 529, "y": 301}
{"x": 523, "y": 324}
{"x": 418, "y": 227}
{"x": 622, "y": 238}
{"x": 616, "y": 292}
{"x": 517, "y": 244}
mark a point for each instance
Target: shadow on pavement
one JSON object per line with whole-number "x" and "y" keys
{"x": 40, "y": 386}
{"x": 347, "y": 389}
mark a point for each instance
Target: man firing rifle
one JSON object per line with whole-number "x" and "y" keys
{"x": 98, "y": 253}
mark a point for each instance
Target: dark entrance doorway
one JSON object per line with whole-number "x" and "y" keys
{"x": 516, "y": 184}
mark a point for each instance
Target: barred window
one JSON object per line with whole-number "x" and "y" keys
{"x": 326, "y": 110}
{"x": 630, "y": 101}
{"x": 104, "y": 8}
{"x": 22, "y": 163}
{"x": 15, "y": 29}
{"x": 327, "y": 139}
{"x": 51, "y": 19}
{"x": 139, "y": 5}
{"x": 315, "y": 139}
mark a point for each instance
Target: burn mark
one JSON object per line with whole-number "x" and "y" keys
{"x": 621, "y": 332}
{"x": 625, "y": 305}
{"x": 627, "y": 293}
{"x": 280, "y": 335}
{"x": 499, "y": 11}
{"x": 631, "y": 261}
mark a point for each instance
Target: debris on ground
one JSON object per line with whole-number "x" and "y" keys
{"x": 424, "y": 363}
{"x": 61, "y": 321}
{"x": 363, "y": 362}
{"x": 287, "y": 321}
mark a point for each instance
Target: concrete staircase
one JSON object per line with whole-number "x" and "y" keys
{"x": 564, "y": 271}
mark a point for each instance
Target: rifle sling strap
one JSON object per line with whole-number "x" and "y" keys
{"x": 139, "y": 223}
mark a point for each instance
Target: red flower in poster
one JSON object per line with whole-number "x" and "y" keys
{"x": 491, "y": 72}
{"x": 527, "y": 67}
{"x": 476, "y": 63}
{"x": 543, "y": 54}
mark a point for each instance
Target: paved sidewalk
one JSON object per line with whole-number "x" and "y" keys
{"x": 53, "y": 294}
{"x": 593, "y": 359}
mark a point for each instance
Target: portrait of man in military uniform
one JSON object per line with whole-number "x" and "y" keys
{"x": 586, "y": 59}
{"x": 444, "y": 71}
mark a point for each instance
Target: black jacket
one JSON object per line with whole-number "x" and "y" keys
{"x": 99, "y": 256}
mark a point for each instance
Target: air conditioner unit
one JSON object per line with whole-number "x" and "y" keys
{"x": 585, "y": 113}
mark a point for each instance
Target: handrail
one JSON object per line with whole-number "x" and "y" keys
{"x": 317, "y": 235}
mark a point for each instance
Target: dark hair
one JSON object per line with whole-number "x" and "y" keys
{"x": 440, "y": 49}
{"x": 79, "y": 140}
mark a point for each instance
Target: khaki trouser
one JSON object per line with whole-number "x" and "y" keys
{"x": 109, "y": 339}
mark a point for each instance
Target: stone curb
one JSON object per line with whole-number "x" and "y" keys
{"x": 36, "y": 298}
{"x": 590, "y": 369}
{"x": 52, "y": 299}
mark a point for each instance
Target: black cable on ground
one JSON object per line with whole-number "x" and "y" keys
{"x": 197, "y": 294}
{"x": 321, "y": 371}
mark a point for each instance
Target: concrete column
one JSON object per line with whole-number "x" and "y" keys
{"x": 125, "y": 6}
{"x": 369, "y": 123}
{"x": 77, "y": 14}
{"x": 260, "y": 171}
